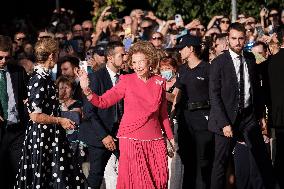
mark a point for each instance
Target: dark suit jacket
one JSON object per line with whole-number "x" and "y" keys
{"x": 19, "y": 80}
{"x": 77, "y": 94}
{"x": 224, "y": 91}
{"x": 276, "y": 78}
{"x": 98, "y": 123}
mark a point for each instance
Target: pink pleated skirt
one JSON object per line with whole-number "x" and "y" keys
{"x": 142, "y": 164}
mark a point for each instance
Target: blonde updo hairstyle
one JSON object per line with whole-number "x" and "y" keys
{"x": 44, "y": 48}
{"x": 146, "y": 48}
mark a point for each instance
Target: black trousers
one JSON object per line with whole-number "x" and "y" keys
{"x": 258, "y": 170}
{"x": 279, "y": 157}
{"x": 197, "y": 151}
{"x": 10, "y": 154}
{"x": 98, "y": 157}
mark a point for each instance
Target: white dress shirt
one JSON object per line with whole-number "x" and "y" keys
{"x": 112, "y": 75}
{"x": 13, "y": 115}
{"x": 236, "y": 61}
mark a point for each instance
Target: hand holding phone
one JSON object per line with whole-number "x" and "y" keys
{"x": 259, "y": 31}
{"x": 84, "y": 65}
{"x": 178, "y": 20}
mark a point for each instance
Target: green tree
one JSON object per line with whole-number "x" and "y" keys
{"x": 205, "y": 9}
{"x": 100, "y": 5}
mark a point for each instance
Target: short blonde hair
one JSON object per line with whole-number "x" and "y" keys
{"x": 44, "y": 48}
{"x": 146, "y": 48}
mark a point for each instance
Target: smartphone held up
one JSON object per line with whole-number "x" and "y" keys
{"x": 84, "y": 65}
{"x": 178, "y": 20}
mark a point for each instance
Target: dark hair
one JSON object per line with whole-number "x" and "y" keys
{"x": 173, "y": 53}
{"x": 221, "y": 36}
{"x": 257, "y": 43}
{"x": 280, "y": 34}
{"x": 74, "y": 61}
{"x": 5, "y": 43}
{"x": 225, "y": 17}
{"x": 197, "y": 50}
{"x": 65, "y": 80}
{"x": 111, "y": 46}
{"x": 237, "y": 26}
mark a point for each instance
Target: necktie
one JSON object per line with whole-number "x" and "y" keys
{"x": 116, "y": 78}
{"x": 119, "y": 106}
{"x": 241, "y": 85}
{"x": 3, "y": 93}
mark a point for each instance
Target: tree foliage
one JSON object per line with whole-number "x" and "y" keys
{"x": 205, "y": 9}
{"x": 100, "y": 5}
{"x": 190, "y": 9}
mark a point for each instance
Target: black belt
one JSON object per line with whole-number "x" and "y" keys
{"x": 197, "y": 105}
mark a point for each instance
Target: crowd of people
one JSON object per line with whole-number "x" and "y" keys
{"x": 144, "y": 103}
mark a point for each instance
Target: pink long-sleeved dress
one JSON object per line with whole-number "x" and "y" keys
{"x": 143, "y": 153}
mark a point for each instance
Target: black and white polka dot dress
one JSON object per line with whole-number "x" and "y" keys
{"x": 47, "y": 161}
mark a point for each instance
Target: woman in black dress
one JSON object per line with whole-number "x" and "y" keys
{"x": 47, "y": 160}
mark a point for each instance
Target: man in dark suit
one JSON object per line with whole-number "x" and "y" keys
{"x": 236, "y": 108}
{"x": 69, "y": 66}
{"x": 100, "y": 125}
{"x": 276, "y": 78}
{"x": 12, "y": 116}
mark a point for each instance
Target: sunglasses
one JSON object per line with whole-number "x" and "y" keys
{"x": 88, "y": 29}
{"x": 197, "y": 29}
{"x": 273, "y": 15}
{"x": 225, "y": 22}
{"x": 21, "y": 38}
{"x": 157, "y": 38}
{"x": 44, "y": 37}
{"x": 60, "y": 38}
{"x": 4, "y": 57}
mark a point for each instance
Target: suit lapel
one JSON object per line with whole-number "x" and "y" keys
{"x": 108, "y": 81}
{"x": 108, "y": 85}
{"x": 14, "y": 80}
{"x": 231, "y": 69}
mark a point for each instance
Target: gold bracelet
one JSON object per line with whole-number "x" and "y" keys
{"x": 89, "y": 92}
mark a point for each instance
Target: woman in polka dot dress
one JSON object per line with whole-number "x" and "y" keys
{"x": 47, "y": 160}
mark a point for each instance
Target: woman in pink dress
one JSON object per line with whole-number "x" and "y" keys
{"x": 143, "y": 153}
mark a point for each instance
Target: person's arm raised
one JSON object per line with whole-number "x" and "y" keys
{"x": 106, "y": 100}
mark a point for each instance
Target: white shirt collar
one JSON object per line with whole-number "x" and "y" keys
{"x": 41, "y": 70}
{"x": 5, "y": 68}
{"x": 235, "y": 55}
{"x": 111, "y": 73}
